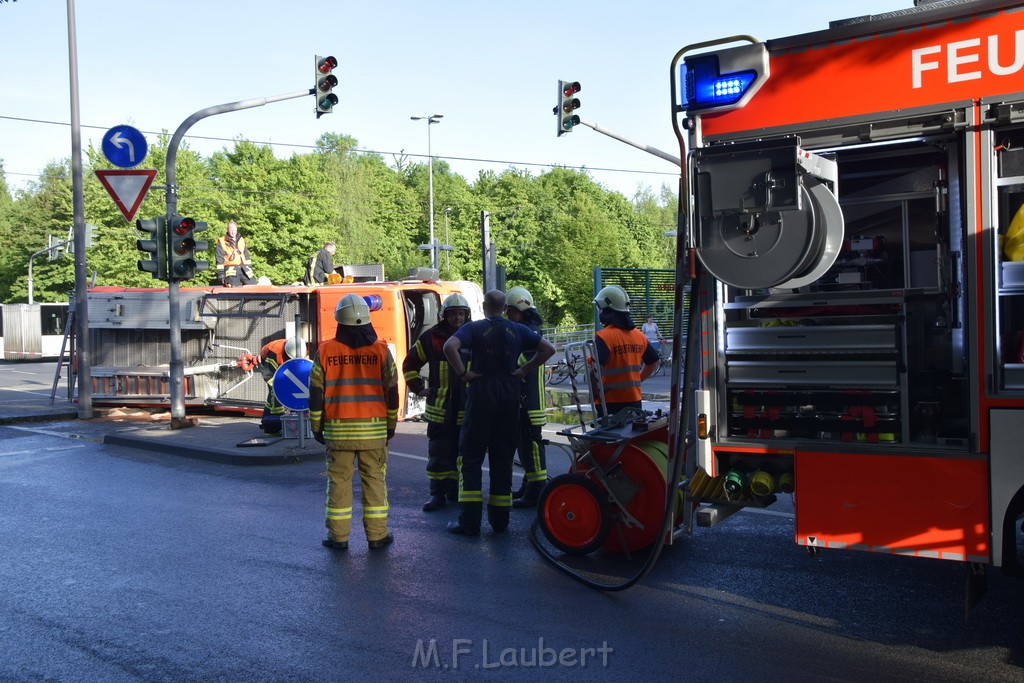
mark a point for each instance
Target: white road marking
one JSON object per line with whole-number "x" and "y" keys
{"x": 423, "y": 458}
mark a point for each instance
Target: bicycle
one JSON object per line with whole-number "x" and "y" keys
{"x": 664, "y": 357}
{"x": 562, "y": 370}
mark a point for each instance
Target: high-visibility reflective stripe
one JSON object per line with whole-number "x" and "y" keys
{"x": 439, "y": 476}
{"x": 411, "y": 375}
{"x": 353, "y": 382}
{"x": 471, "y": 497}
{"x": 621, "y": 370}
{"x": 537, "y": 475}
{"x": 341, "y": 431}
{"x": 351, "y": 399}
{"x": 339, "y": 513}
{"x": 502, "y": 501}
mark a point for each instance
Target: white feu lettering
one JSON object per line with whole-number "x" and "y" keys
{"x": 954, "y": 52}
{"x": 1018, "y": 55}
{"x": 919, "y": 65}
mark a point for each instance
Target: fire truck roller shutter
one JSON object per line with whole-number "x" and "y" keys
{"x": 787, "y": 249}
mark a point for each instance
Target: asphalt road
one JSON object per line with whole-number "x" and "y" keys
{"x": 120, "y": 564}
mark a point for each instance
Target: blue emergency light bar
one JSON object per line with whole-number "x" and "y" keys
{"x": 723, "y": 80}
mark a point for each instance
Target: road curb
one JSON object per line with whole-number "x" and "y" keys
{"x": 239, "y": 456}
{"x": 38, "y": 417}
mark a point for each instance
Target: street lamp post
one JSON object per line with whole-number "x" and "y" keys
{"x": 436, "y": 118}
{"x": 447, "y": 256}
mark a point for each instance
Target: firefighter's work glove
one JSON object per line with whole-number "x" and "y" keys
{"x": 319, "y": 436}
{"x": 247, "y": 362}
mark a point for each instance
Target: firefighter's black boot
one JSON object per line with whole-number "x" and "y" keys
{"x": 438, "y": 499}
{"x": 531, "y": 494}
{"x": 436, "y": 502}
{"x": 497, "y": 517}
{"x": 469, "y": 520}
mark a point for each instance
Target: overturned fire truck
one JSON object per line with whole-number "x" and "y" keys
{"x": 223, "y": 329}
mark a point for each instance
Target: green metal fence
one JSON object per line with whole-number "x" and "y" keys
{"x": 651, "y": 292}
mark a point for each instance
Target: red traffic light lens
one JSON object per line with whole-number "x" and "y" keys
{"x": 183, "y": 226}
{"x": 570, "y": 89}
{"x": 327, "y": 64}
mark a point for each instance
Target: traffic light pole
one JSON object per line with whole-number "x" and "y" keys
{"x": 639, "y": 145}
{"x": 177, "y": 367}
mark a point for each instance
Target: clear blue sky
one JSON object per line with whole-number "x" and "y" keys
{"x": 490, "y": 68}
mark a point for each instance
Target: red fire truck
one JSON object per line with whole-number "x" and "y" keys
{"x": 854, "y": 226}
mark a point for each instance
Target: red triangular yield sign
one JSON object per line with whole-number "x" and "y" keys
{"x": 127, "y": 187}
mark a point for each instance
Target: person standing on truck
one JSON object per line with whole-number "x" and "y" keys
{"x": 321, "y": 265}
{"x": 234, "y": 267}
{"x": 353, "y": 410}
{"x": 532, "y": 414}
{"x": 623, "y": 352}
{"x": 272, "y": 356}
{"x": 491, "y": 424}
{"x": 445, "y": 400}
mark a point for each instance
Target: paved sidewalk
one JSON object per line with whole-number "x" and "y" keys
{"x": 225, "y": 438}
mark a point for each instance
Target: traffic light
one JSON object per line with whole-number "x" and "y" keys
{"x": 201, "y": 245}
{"x": 324, "y": 85}
{"x": 155, "y": 246}
{"x": 181, "y": 249}
{"x": 567, "y": 104}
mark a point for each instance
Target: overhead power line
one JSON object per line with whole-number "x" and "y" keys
{"x": 362, "y": 151}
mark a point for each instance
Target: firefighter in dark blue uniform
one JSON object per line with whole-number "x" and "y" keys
{"x": 532, "y": 415}
{"x": 491, "y": 424}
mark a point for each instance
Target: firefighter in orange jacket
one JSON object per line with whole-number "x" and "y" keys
{"x": 625, "y": 355}
{"x": 234, "y": 267}
{"x": 273, "y": 356}
{"x": 353, "y": 410}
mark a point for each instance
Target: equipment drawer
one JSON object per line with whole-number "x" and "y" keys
{"x": 808, "y": 339}
{"x": 828, "y": 373}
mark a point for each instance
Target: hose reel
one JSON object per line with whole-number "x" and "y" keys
{"x": 766, "y": 213}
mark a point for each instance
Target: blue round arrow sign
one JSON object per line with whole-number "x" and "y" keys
{"x": 291, "y": 383}
{"x": 124, "y": 146}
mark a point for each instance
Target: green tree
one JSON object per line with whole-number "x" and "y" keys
{"x": 44, "y": 208}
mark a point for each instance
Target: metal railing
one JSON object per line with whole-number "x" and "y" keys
{"x": 568, "y": 334}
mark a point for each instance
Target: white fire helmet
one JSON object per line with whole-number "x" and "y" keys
{"x": 519, "y": 297}
{"x": 295, "y": 348}
{"x": 613, "y": 297}
{"x": 352, "y": 310}
{"x": 453, "y": 302}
